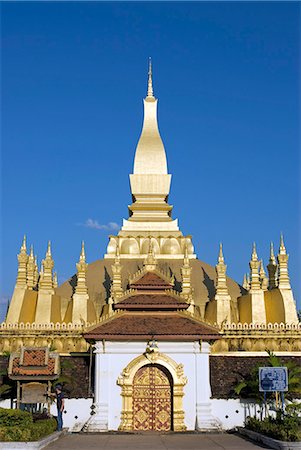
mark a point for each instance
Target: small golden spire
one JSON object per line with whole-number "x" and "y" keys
{"x": 81, "y": 267}
{"x": 245, "y": 283}
{"x": 221, "y": 281}
{"x": 150, "y": 92}
{"x": 282, "y": 249}
{"x": 31, "y": 269}
{"x": 261, "y": 270}
{"x": 150, "y": 262}
{"x": 254, "y": 254}
{"x": 220, "y": 255}
{"x": 46, "y": 276}
{"x": 186, "y": 279}
{"x": 55, "y": 283}
{"x": 48, "y": 253}
{"x": 116, "y": 287}
{"x": 186, "y": 257}
{"x": 263, "y": 278}
{"x": 283, "y": 276}
{"x": 82, "y": 254}
{"x": 222, "y": 297}
{"x": 23, "y": 246}
{"x": 248, "y": 280}
{"x": 272, "y": 256}
{"x": 254, "y": 266}
{"x": 22, "y": 265}
{"x": 117, "y": 253}
{"x": 36, "y": 271}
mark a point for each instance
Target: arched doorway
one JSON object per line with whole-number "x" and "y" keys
{"x": 175, "y": 375}
{"x": 152, "y": 399}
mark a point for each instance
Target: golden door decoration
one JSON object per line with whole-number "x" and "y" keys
{"x": 152, "y": 403}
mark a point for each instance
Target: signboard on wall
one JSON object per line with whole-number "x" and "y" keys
{"x": 34, "y": 393}
{"x": 273, "y": 379}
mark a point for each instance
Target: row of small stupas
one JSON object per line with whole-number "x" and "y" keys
{"x": 36, "y": 297}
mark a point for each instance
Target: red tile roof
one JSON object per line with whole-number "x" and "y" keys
{"x": 37, "y": 363}
{"x": 160, "y": 326}
{"x": 48, "y": 370}
{"x": 34, "y": 357}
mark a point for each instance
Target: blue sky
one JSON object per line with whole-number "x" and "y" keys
{"x": 73, "y": 79}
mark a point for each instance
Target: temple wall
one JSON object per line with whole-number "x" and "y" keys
{"x": 224, "y": 374}
{"x": 77, "y": 412}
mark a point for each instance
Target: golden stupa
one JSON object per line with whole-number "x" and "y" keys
{"x": 261, "y": 314}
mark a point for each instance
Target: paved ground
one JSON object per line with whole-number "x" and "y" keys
{"x": 171, "y": 441}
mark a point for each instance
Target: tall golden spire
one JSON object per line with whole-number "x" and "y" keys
{"x": 150, "y": 181}
{"x": 272, "y": 268}
{"x": 150, "y": 92}
{"x": 150, "y": 212}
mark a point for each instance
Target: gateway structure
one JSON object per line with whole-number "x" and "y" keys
{"x": 165, "y": 327}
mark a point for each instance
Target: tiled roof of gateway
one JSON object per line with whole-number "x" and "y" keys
{"x": 151, "y": 301}
{"x": 160, "y": 326}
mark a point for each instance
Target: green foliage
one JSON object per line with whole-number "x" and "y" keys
{"x": 283, "y": 427}
{"x": 15, "y": 417}
{"x": 5, "y": 389}
{"x": 16, "y": 425}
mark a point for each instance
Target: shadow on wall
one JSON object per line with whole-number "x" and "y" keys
{"x": 209, "y": 283}
{"x": 107, "y": 283}
{"x": 73, "y": 283}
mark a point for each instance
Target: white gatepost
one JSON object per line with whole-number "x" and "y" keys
{"x": 99, "y": 419}
{"x": 204, "y": 418}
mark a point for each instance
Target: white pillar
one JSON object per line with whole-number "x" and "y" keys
{"x": 204, "y": 418}
{"x": 100, "y": 409}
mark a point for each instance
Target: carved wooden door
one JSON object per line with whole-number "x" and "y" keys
{"x": 152, "y": 403}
